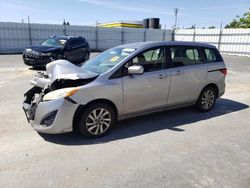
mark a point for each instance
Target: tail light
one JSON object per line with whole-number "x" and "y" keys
{"x": 223, "y": 71}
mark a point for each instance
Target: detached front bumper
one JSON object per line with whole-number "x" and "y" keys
{"x": 52, "y": 117}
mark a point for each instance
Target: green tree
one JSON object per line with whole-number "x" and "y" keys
{"x": 240, "y": 22}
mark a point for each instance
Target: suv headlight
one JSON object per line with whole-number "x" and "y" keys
{"x": 46, "y": 54}
{"x": 60, "y": 93}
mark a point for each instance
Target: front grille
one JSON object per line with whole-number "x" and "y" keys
{"x": 33, "y": 55}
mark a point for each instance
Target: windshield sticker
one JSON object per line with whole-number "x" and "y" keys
{"x": 115, "y": 58}
{"x": 125, "y": 54}
{"x": 112, "y": 52}
{"x": 128, "y": 50}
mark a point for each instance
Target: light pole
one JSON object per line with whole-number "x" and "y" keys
{"x": 175, "y": 13}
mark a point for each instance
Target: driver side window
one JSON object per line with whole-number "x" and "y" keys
{"x": 151, "y": 60}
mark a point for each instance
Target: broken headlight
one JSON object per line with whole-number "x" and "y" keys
{"x": 60, "y": 93}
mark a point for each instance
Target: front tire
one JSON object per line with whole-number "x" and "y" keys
{"x": 96, "y": 120}
{"x": 206, "y": 99}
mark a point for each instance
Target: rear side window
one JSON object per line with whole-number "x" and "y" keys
{"x": 75, "y": 42}
{"x": 183, "y": 56}
{"x": 82, "y": 40}
{"x": 192, "y": 54}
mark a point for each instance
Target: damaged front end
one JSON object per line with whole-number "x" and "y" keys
{"x": 32, "y": 98}
{"x": 49, "y": 92}
{"x": 34, "y": 95}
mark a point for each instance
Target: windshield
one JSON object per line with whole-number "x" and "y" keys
{"x": 107, "y": 60}
{"x": 54, "y": 42}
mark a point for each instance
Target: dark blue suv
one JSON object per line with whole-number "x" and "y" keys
{"x": 74, "y": 49}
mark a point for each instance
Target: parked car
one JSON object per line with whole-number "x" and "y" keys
{"x": 122, "y": 82}
{"x": 74, "y": 49}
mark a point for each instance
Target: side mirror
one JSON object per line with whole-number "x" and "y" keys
{"x": 135, "y": 70}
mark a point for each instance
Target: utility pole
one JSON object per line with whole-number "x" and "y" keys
{"x": 30, "y": 37}
{"x": 221, "y": 26}
{"x": 220, "y": 35}
{"x": 96, "y": 36}
{"x": 175, "y": 13}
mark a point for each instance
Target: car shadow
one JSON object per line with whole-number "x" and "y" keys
{"x": 171, "y": 120}
{"x": 37, "y": 68}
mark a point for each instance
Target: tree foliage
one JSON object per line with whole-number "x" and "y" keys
{"x": 212, "y": 27}
{"x": 240, "y": 22}
{"x": 65, "y": 23}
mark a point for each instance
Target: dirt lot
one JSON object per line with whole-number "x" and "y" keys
{"x": 179, "y": 148}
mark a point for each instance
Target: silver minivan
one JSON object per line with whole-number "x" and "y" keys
{"x": 122, "y": 82}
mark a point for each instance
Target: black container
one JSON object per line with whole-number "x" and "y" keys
{"x": 154, "y": 23}
{"x": 146, "y": 23}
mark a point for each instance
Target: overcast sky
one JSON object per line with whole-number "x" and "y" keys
{"x": 203, "y": 13}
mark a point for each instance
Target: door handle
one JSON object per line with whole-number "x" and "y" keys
{"x": 177, "y": 73}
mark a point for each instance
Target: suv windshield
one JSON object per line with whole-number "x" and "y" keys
{"x": 107, "y": 60}
{"x": 54, "y": 42}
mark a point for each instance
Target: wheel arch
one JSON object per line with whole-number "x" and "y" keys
{"x": 82, "y": 107}
{"x": 213, "y": 85}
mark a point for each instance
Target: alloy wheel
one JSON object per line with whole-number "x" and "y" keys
{"x": 207, "y": 99}
{"x": 98, "y": 121}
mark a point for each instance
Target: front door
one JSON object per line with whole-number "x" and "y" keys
{"x": 149, "y": 90}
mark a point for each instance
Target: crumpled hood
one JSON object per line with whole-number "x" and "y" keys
{"x": 43, "y": 49}
{"x": 63, "y": 69}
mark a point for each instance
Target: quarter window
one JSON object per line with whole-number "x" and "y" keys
{"x": 75, "y": 42}
{"x": 210, "y": 55}
{"x": 151, "y": 60}
{"x": 182, "y": 56}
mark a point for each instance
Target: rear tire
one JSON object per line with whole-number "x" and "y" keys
{"x": 206, "y": 99}
{"x": 96, "y": 120}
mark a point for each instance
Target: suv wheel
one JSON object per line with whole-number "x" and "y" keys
{"x": 96, "y": 120}
{"x": 206, "y": 100}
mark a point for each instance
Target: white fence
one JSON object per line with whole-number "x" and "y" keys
{"x": 14, "y": 37}
{"x": 228, "y": 41}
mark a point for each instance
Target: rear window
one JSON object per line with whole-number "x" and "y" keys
{"x": 212, "y": 55}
